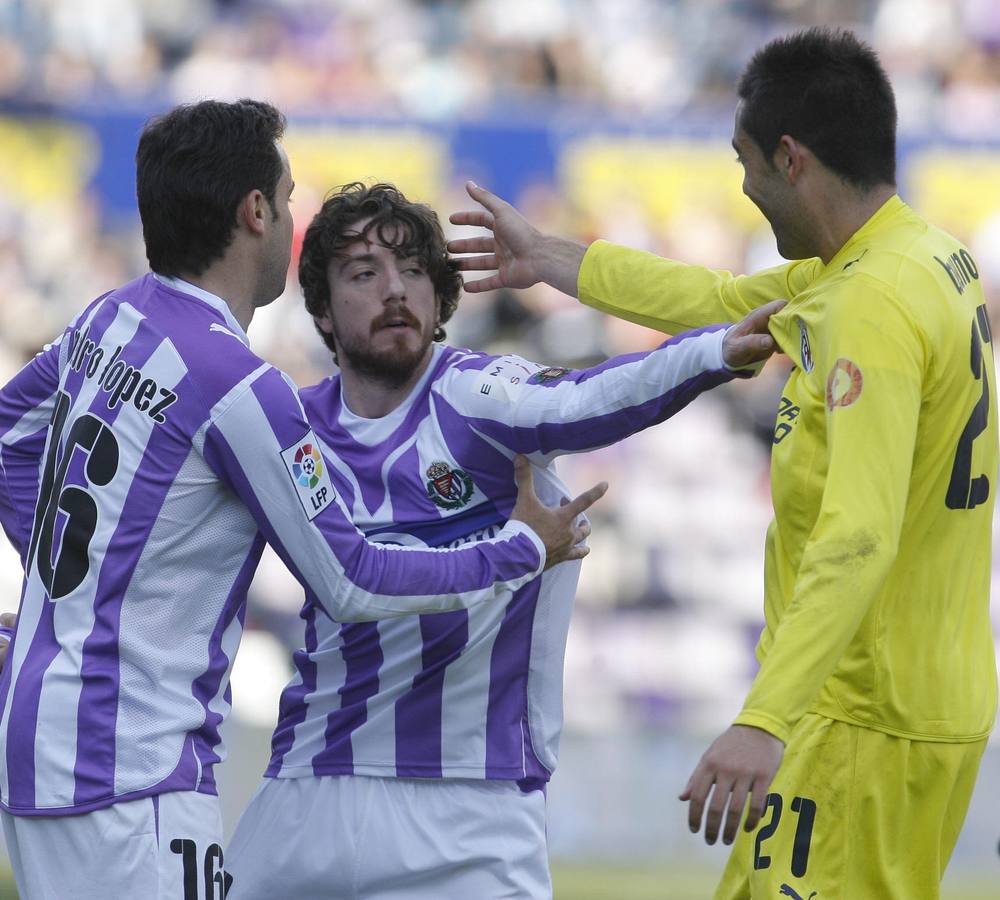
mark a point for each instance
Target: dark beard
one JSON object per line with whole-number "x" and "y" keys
{"x": 393, "y": 367}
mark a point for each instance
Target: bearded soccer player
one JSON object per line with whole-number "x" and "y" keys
{"x": 859, "y": 742}
{"x": 147, "y": 454}
{"x": 410, "y": 757}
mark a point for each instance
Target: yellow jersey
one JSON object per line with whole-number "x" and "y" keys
{"x": 883, "y": 473}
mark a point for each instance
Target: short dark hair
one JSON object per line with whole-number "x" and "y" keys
{"x": 193, "y": 167}
{"x": 825, "y": 88}
{"x": 410, "y": 229}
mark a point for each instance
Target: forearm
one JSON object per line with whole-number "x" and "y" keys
{"x": 672, "y": 296}
{"x": 304, "y": 520}
{"x": 558, "y": 262}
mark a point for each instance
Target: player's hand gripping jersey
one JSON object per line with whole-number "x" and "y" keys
{"x": 884, "y": 464}
{"x": 146, "y": 456}
{"x": 477, "y": 693}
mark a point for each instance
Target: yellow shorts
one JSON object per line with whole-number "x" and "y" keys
{"x": 855, "y": 814}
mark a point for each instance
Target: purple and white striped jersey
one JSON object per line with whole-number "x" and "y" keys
{"x": 476, "y": 693}
{"x": 145, "y": 456}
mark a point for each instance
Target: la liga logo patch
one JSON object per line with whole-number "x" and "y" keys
{"x": 312, "y": 482}
{"x": 307, "y": 466}
{"x": 843, "y": 384}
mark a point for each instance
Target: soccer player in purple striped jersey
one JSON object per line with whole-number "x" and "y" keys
{"x": 145, "y": 457}
{"x": 411, "y": 755}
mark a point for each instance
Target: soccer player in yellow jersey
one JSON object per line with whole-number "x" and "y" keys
{"x": 857, "y": 748}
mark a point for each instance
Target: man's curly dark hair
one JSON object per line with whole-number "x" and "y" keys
{"x": 410, "y": 229}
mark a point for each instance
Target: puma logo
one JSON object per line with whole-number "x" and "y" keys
{"x": 787, "y": 891}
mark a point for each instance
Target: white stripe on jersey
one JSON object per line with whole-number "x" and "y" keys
{"x": 58, "y": 703}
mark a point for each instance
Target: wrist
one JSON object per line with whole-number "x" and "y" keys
{"x": 557, "y": 262}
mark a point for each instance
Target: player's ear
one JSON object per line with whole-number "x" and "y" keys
{"x": 252, "y": 213}
{"x": 789, "y": 158}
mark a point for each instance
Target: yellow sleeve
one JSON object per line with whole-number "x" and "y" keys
{"x": 672, "y": 296}
{"x": 871, "y": 356}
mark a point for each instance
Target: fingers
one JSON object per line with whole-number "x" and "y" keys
{"x": 576, "y": 552}
{"x": 756, "y": 321}
{"x": 477, "y": 263}
{"x": 8, "y": 619}
{"x": 737, "y": 802}
{"x": 697, "y": 792}
{"x": 477, "y": 217}
{"x": 758, "y": 799}
{"x": 480, "y": 285}
{"x": 523, "y": 476}
{"x": 479, "y": 244}
{"x": 585, "y": 500}
{"x": 482, "y": 196}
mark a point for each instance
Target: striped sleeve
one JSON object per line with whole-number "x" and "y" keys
{"x": 26, "y": 404}
{"x": 261, "y": 444}
{"x": 545, "y": 412}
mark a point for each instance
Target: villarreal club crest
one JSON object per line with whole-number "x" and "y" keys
{"x": 449, "y": 488}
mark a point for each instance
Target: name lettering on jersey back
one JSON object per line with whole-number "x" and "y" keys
{"x": 961, "y": 269}
{"x": 120, "y": 381}
{"x": 788, "y": 413}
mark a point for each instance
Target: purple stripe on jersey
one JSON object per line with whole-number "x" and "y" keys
{"x": 418, "y": 713}
{"x": 362, "y": 653}
{"x": 183, "y": 778}
{"x": 292, "y": 706}
{"x": 23, "y": 703}
{"x": 156, "y": 817}
{"x": 508, "y": 704}
{"x": 221, "y": 459}
{"x": 206, "y": 685}
{"x": 21, "y": 476}
{"x": 586, "y": 434}
{"x": 97, "y": 710}
{"x": 323, "y": 404}
{"x": 410, "y": 502}
{"x": 453, "y": 529}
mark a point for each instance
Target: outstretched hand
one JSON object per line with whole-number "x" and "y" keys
{"x": 561, "y": 528}
{"x": 518, "y": 253}
{"x": 749, "y": 342}
{"x": 742, "y": 761}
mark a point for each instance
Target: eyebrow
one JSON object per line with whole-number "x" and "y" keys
{"x": 361, "y": 257}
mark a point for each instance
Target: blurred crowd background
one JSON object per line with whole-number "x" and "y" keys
{"x": 598, "y": 118}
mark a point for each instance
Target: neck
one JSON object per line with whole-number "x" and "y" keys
{"x": 372, "y": 396}
{"x": 234, "y": 281}
{"x": 841, "y": 214}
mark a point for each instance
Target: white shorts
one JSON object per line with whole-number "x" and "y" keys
{"x": 167, "y": 847}
{"x": 354, "y": 837}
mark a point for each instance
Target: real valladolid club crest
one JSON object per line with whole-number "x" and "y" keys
{"x": 449, "y": 488}
{"x": 806, "y": 350}
{"x": 547, "y": 376}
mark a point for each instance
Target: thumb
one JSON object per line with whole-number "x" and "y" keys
{"x": 483, "y": 197}
{"x": 523, "y": 476}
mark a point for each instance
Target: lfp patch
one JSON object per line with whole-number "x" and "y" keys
{"x": 312, "y": 482}
{"x": 843, "y": 385}
{"x": 449, "y": 488}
